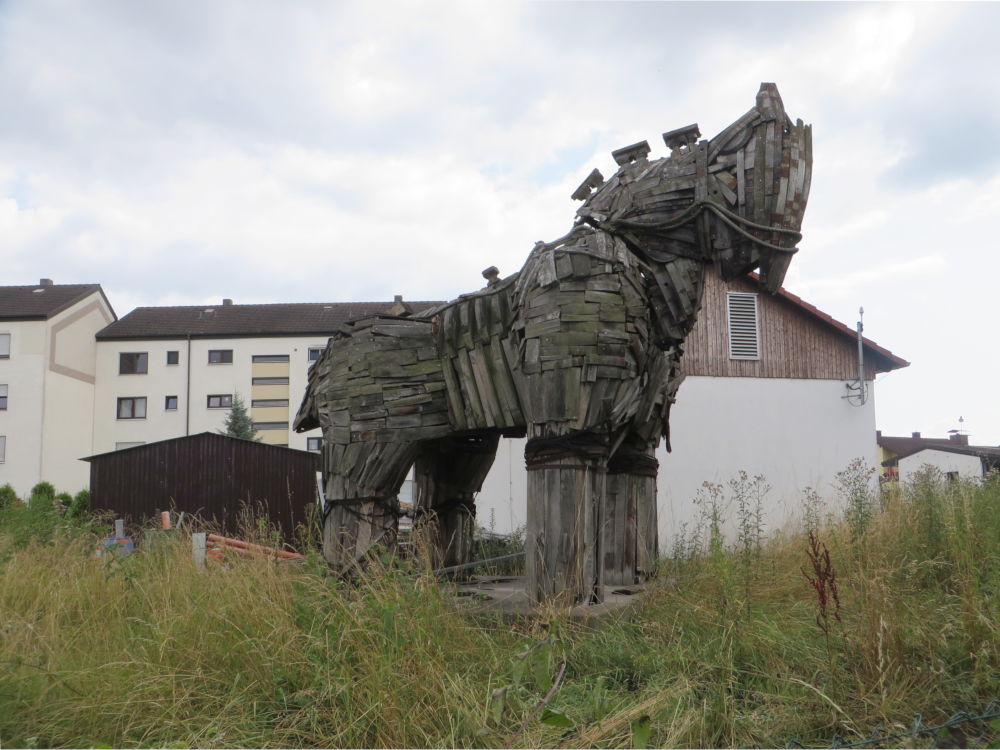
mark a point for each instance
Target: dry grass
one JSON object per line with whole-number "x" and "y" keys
{"x": 149, "y": 650}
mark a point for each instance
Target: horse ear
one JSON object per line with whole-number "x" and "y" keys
{"x": 769, "y": 103}
{"x": 594, "y": 180}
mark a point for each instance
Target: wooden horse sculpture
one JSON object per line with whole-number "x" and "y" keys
{"x": 580, "y": 351}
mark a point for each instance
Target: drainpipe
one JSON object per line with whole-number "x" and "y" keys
{"x": 187, "y": 396}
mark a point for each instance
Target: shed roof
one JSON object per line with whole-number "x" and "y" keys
{"x": 236, "y": 321}
{"x": 206, "y": 437}
{"x": 43, "y": 301}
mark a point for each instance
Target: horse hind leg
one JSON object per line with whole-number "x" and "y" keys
{"x": 448, "y": 472}
{"x": 362, "y": 483}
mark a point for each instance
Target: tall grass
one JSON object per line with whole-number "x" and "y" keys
{"x": 725, "y": 650}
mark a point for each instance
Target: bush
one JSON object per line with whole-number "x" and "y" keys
{"x": 80, "y": 505}
{"x": 8, "y": 497}
{"x": 43, "y": 492}
{"x": 46, "y": 515}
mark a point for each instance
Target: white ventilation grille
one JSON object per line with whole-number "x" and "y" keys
{"x": 744, "y": 333}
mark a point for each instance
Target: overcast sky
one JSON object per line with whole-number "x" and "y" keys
{"x": 180, "y": 152}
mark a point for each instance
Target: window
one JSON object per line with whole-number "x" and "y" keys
{"x": 263, "y": 403}
{"x": 132, "y": 407}
{"x": 220, "y": 356}
{"x": 271, "y": 425}
{"x": 171, "y": 404}
{"x": 3, "y": 448}
{"x": 133, "y": 363}
{"x": 123, "y": 446}
{"x": 270, "y": 358}
{"x": 315, "y": 352}
{"x": 3, "y": 397}
{"x": 4, "y": 346}
{"x": 173, "y": 358}
{"x": 220, "y": 401}
{"x": 270, "y": 381}
{"x": 313, "y": 444}
{"x": 744, "y": 331}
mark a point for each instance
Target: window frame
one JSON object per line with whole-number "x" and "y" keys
{"x": 3, "y": 449}
{"x": 222, "y": 359}
{"x": 4, "y": 393}
{"x": 141, "y": 363}
{"x": 318, "y": 441}
{"x": 176, "y": 356}
{"x": 259, "y": 359}
{"x": 134, "y": 401}
{"x": 124, "y": 445}
{"x": 271, "y": 426}
{"x": 166, "y": 403}
{"x": 222, "y": 398}
{"x": 319, "y": 353}
{"x": 269, "y": 403}
{"x": 277, "y": 380}
{"x": 10, "y": 342}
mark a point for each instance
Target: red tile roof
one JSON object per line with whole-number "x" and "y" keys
{"x": 889, "y": 360}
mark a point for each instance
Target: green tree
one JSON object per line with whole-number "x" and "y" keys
{"x": 238, "y": 423}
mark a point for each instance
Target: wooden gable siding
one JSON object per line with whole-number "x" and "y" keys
{"x": 792, "y": 343}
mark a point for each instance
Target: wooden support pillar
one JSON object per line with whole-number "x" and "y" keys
{"x": 566, "y": 489}
{"x": 447, "y": 475}
{"x": 629, "y": 530}
{"x": 356, "y": 523}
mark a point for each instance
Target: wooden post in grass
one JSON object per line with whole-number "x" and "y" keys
{"x": 198, "y": 548}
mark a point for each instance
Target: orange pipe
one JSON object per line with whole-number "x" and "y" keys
{"x": 242, "y": 546}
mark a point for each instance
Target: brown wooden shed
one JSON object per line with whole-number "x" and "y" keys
{"x": 211, "y": 475}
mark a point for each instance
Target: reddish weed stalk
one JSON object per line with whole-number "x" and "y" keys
{"x": 824, "y": 583}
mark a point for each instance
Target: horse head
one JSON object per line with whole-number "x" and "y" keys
{"x": 735, "y": 200}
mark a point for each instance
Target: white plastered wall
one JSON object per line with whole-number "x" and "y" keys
{"x": 796, "y": 433}
{"x": 968, "y": 467}
{"x": 21, "y": 422}
{"x": 67, "y": 424}
{"x": 164, "y": 380}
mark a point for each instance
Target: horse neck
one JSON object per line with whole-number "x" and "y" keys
{"x": 673, "y": 288}
{"x": 675, "y": 292}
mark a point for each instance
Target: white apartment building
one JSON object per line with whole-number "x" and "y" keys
{"x": 48, "y": 369}
{"x": 165, "y": 372}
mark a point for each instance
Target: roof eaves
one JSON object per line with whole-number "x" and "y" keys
{"x": 896, "y": 362}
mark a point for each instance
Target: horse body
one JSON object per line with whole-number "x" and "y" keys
{"x": 579, "y": 351}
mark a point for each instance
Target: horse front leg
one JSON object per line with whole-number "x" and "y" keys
{"x": 566, "y": 494}
{"x": 629, "y": 529}
{"x": 447, "y": 475}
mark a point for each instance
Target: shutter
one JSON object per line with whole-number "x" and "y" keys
{"x": 744, "y": 333}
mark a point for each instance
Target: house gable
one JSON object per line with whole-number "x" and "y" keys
{"x": 795, "y": 340}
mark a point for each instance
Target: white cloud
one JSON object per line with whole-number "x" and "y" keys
{"x": 181, "y": 152}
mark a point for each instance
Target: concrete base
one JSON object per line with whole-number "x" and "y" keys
{"x": 507, "y": 596}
